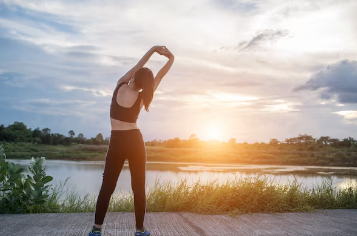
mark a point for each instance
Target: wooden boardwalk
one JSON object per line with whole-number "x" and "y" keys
{"x": 324, "y": 223}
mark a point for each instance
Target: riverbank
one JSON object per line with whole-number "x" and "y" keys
{"x": 322, "y": 222}
{"x": 234, "y": 197}
{"x": 324, "y": 157}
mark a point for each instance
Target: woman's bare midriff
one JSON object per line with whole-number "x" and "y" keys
{"x": 121, "y": 125}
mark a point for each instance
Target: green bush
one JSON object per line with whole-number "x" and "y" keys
{"x": 21, "y": 193}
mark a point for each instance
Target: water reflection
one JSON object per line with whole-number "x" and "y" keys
{"x": 86, "y": 176}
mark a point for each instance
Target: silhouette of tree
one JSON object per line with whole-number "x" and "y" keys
{"x": 71, "y": 133}
{"x": 323, "y": 140}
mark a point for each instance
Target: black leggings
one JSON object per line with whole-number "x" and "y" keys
{"x": 124, "y": 144}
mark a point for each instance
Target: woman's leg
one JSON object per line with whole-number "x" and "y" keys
{"x": 137, "y": 162}
{"x": 114, "y": 162}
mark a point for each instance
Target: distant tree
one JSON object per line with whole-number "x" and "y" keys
{"x": 57, "y": 139}
{"x": 36, "y": 133}
{"x": 17, "y": 132}
{"x": 99, "y": 139}
{"x": 81, "y": 138}
{"x": 67, "y": 141}
{"x": 290, "y": 141}
{"x": 173, "y": 143}
{"x": 323, "y": 140}
{"x": 334, "y": 142}
{"x": 274, "y": 141}
{"x": 2, "y": 132}
{"x": 106, "y": 141}
{"x": 232, "y": 142}
{"x": 36, "y": 140}
{"x": 347, "y": 142}
{"x": 46, "y": 131}
{"x": 193, "y": 141}
{"x": 46, "y": 137}
{"x": 71, "y": 133}
{"x": 306, "y": 139}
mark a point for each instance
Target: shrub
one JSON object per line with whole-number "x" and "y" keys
{"x": 20, "y": 193}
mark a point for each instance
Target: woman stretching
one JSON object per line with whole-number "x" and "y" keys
{"x": 126, "y": 141}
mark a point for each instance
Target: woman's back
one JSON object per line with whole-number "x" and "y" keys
{"x": 126, "y": 105}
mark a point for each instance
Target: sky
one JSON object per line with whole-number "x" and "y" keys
{"x": 252, "y": 70}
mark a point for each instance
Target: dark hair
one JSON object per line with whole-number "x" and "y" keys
{"x": 144, "y": 79}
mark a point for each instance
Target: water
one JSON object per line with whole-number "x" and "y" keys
{"x": 86, "y": 176}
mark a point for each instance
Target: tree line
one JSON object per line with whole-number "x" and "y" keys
{"x": 301, "y": 142}
{"x": 18, "y": 132}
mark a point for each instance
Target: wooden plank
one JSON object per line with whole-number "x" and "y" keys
{"x": 324, "y": 222}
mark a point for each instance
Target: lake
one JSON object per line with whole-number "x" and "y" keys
{"x": 86, "y": 176}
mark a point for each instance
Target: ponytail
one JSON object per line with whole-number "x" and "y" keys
{"x": 144, "y": 79}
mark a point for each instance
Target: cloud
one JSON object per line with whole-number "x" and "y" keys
{"x": 64, "y": 58}
{"x": 243, "y": 7}
{"x": 261, "y": 38}
{"x": 338, "y": 81}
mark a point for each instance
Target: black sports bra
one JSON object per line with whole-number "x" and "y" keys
{"x": 126, "y": 114}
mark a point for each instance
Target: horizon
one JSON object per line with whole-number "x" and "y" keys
{"x": 194, "y": 136}
{"x": 247, "y": 69}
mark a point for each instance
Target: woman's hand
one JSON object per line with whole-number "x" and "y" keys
{"x": 162, "y": 50}
{"x": 158, "y": 49}
{"x": 166, "y": 52}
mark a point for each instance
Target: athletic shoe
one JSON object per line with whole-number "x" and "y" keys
{"x": 142, "y": 233}
{"x": 95, "y": 233}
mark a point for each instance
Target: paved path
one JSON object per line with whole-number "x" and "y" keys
{"x": 324, "y": 223}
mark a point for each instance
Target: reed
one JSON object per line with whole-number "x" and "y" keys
{"x": 233, "y": 197}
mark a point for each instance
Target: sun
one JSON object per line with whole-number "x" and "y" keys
{"x": 213, "y": 132}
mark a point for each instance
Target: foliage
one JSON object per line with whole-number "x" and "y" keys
{"x": 18, "y": 132}
{"x": 20, "y": 193}
{"x": 235, "y": 196}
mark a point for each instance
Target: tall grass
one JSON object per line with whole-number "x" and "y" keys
{"x": 236, "y": 196}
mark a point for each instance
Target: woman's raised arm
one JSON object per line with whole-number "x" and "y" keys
{"x": 126, "y": 78}
{"x": 165, "y": 68}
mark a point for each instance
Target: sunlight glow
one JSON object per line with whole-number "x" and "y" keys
{"x": 227, "y": 100}
{"x": 213, "y": 132}
{"x": 347, "y": 184}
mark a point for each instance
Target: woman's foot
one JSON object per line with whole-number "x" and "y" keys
{"x": 142, "y": 232}
{"x": 95, "y": 232}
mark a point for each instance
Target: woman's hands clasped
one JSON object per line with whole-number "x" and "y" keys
{"x": 162, "y": 50}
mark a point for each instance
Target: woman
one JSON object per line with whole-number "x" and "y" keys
{"x": 126, "y": 141}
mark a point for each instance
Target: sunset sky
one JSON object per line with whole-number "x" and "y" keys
{"x": 249, "y": 70}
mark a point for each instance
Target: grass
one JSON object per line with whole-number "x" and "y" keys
{"x": 273, "y": 156}
{"x": 234, "y": 197}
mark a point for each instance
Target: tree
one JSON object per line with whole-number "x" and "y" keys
{"x": 274, "y": 142}
{"x": 306, "y": 139}
{"x": 333, "y": 142}
{"x": 323, "y": 140}
{"x": 99, "y": 139}
{"x": 57, "y": 139}
{"x": 2, "y": 132}
{"x": 71, "y": 133}
{"x": 66, "y": 141}
{"x": 17, "y": 132}
{"x": 36, "y": 133}
{"x": 81, "y": 138}
{"x": 232, "y": 142}
{"x": 46, "y": 137}
{"x": 193, "y": 140}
